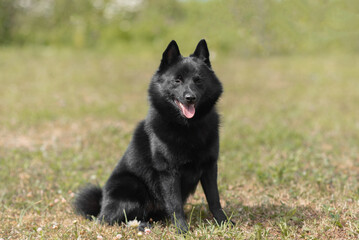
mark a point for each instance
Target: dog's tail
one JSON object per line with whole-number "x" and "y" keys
{"x": 88, "y": 201}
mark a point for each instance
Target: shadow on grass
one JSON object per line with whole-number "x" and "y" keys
{"x": 272, "y": 214}
{"x": 264, "y": 214}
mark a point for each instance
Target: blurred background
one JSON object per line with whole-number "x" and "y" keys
{"x": 245, "y": 27}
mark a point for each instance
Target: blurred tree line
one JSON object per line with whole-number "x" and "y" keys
{"x": 247, "y": 27}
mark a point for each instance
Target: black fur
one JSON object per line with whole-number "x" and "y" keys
{"x": 87, "y": 201}
{"x": 171, "y": 151}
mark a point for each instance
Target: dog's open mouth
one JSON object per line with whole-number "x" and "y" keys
{"x": 188, "y": 110}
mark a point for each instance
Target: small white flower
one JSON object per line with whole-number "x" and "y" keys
{"x": 39, "y": 230}
{"x": 118, "y": 236}
{"x": 147, "y": 231}
{"x": 139, "y": 234}
{"x": 133, "y": 223}
{"x": 99, "y": 237}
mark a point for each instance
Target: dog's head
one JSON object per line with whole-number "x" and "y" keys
{"x": 185, "y": 87}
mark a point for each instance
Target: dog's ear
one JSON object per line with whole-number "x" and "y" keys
{"x": 170, "y": 55}
{"x": 202, "y": 52}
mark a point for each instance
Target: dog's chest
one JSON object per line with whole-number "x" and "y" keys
{"x": 181, "y": 148}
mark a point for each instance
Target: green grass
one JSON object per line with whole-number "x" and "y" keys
{"x": 288, "y": 166}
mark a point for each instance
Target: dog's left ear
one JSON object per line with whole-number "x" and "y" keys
{"x": 202, "y": 52}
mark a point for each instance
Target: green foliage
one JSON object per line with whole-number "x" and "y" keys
{"x": 246, "y": 27}
{"x": 7, "y": 12}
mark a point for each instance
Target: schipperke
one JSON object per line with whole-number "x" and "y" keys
{"x": 171, "y": 151}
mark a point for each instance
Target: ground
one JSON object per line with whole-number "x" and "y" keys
{"x": 288, "y": 167}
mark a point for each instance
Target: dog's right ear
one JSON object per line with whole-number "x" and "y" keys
{"x": 170, "y": 55}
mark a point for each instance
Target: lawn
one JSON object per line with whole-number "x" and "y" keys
{"x": 288, "y": 167}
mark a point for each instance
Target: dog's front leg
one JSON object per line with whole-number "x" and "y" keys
{"x": 171, "y": 194}
{"x": 210, "y": 188}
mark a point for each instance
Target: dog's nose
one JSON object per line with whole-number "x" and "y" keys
{"x": 190, "y": 98}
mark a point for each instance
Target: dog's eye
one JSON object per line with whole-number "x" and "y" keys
{"x": 197, "y": 80}
{"x": 179, "y": 79}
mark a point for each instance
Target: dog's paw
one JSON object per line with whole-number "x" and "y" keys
{"x": 226, "y": 222}
{"x": 182, "y": 228}
{"x": 231, "y": 223}
{"x": 143, "y": 225}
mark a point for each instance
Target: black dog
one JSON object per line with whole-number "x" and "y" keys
{"x": 174, "y": 148}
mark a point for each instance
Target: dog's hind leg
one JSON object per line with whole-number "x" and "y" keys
{"x": 114, "y": 211}
{"x": 124, "y": 199}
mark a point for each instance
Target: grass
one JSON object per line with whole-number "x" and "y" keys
{"x": 288, "y": 166}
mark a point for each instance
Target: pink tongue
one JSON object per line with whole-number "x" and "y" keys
{"x": 187, "y": 110}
